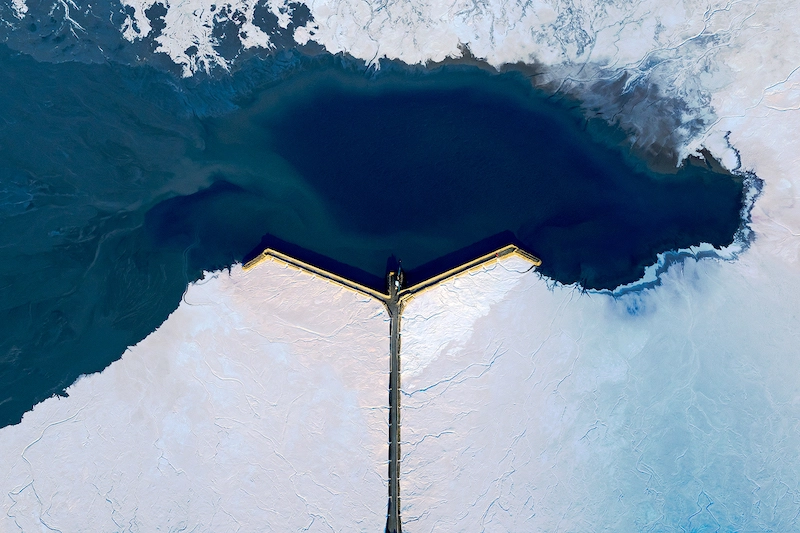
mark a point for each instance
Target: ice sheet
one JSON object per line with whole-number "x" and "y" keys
{"x": 655, "y": 67}
{"x": 674, "y": 408}
{"x": 259, "y": 405}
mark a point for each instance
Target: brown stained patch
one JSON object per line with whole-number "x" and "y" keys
{"x": 650, "y": 126}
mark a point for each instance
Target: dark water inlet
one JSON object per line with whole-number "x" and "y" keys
{"x": 425, "y": 167}
{"x": 118, "y": 189}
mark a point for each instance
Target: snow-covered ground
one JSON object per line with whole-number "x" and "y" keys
{"x": 259, "y": 405}
{"x": 527, "y": 406}
{"x": 676, "y": 408}
{"x": 656, "y": 67}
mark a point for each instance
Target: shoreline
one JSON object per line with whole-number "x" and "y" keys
{"x": 404, "y": 294}
{"x": 394, "y": 301}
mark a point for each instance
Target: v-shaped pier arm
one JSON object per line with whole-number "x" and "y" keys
{"x": 394, "y": 301}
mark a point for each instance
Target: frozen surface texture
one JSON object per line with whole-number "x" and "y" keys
{"x": 188, "y": 35}
{"x": 454, "y": 307}
{"x": 675, "y": 408}
{"x": 259, "y": 405}
{"x": 655, "y": 67}
{"x": 526, "y": 407}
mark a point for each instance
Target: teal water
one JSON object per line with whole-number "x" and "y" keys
{"x": 120, "y": 185}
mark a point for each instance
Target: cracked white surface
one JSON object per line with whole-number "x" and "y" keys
{"x": 525, "y": 407}
{"x": 687, "y": 50}
{"x": 565, "y": 413}
{"x": 443, "y": 319}
{"x": 673, "y": 409}
{"x": 259, "y": 405}
{"x": 191, "y": 25}
{"x": 19, "y": 7}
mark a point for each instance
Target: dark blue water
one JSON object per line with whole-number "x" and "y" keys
{"x": 120, "y": 185}
{"x": 422, "y": 167}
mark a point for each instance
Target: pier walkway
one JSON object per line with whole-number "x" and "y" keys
{"x": 394, "y": 299}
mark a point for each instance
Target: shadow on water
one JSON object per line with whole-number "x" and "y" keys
{"x": 117, "y": 188}
{"x": 352, "y": 273}
{"x": 459, "y": 257}
{"x": 412, "y": 277}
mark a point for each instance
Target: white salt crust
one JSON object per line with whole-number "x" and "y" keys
{"x": 259, "y": 405}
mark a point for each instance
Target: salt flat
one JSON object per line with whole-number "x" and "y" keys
{"x": 673, "y": 408}
{"x": 259, "y": 405}
{"x": 527, "y": 405}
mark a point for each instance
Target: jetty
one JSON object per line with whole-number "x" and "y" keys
{"x": 394, "y": 299}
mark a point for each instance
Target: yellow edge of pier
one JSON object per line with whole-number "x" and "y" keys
{"x": 469, "y": 267}
{"x": 273, "y": 255}
{"x": 405, "y": 294}
{"x": 394, "y": 302}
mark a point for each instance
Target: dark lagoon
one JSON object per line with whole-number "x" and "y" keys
{"x": 120, "y": 185}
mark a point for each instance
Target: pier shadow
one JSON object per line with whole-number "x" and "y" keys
{"x": 362, "y": 277}
{"x": 459, "y": 257}
{"x": 378, "y": 283}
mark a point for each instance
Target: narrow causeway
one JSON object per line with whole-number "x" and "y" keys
{"x": 395, "y": 299}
